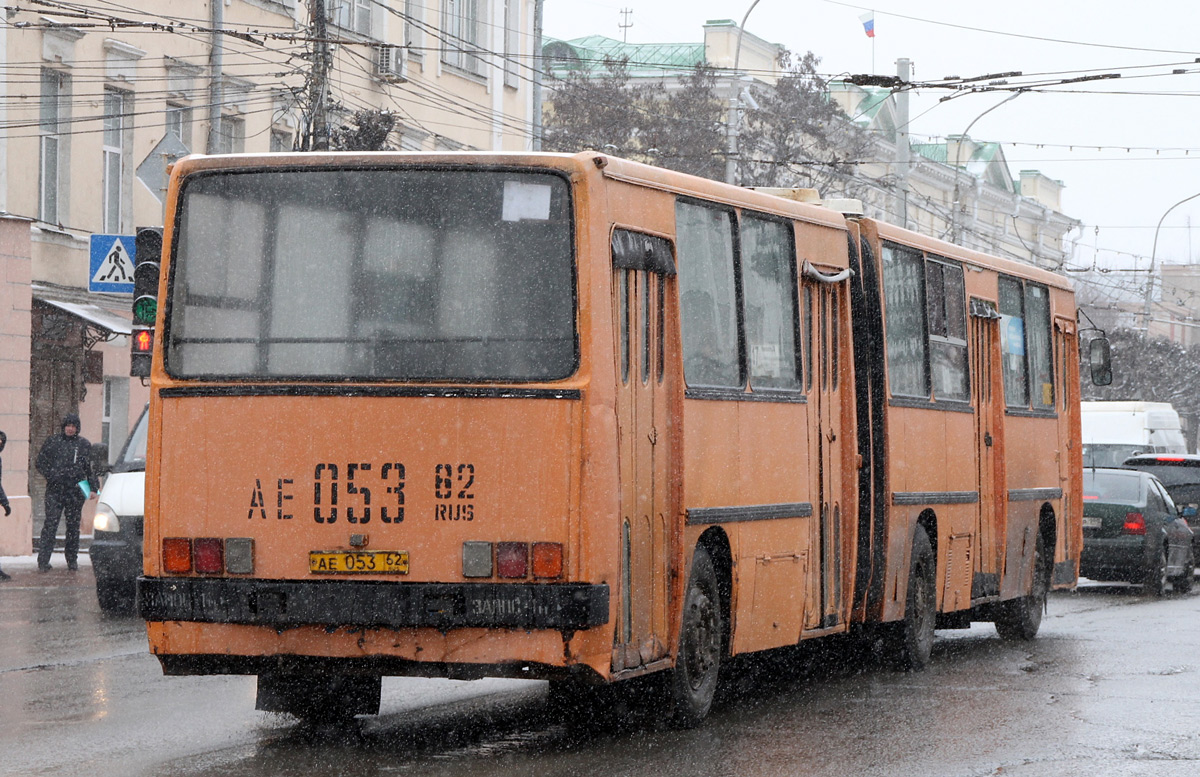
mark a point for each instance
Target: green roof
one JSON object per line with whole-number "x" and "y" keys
{"x": 645, "y": 59}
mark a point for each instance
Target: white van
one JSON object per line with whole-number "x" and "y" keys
{"x": 116, "y": 548}
{"x": 1114, "y": 431}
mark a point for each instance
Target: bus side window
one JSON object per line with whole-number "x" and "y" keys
{"x": 769, "y": 283}
{"x": 708, "y": 296}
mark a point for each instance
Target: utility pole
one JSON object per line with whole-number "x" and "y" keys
{"x": 216, "y": 92}
{"x": 318, "y": 83}
{"x": 903, "y": 150}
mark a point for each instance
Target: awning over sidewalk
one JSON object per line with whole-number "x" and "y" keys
{"x": 92, "y": 314}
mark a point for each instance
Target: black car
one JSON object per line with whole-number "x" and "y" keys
{"x": 1132, "y": 531}
{"x": 1180, "y": 475}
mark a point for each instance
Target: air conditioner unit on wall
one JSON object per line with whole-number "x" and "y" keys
{"x": 391, "y": 63}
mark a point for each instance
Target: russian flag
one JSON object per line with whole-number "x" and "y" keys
{"x": 868, "y": 20}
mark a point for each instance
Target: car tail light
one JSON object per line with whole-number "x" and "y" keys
{"x": 177, "y": 554}
{"x": 209, "y": 555}
{"x": 512, "y": 559}
{"x": 547, "y": 559}
{"x": 1135, "y": 523}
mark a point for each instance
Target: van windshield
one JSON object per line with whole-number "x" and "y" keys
{"x": 133, "y": 455}
{"x": 1110, "y": 454}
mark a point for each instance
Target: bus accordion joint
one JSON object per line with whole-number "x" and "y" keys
{"x": 813, "y": 273}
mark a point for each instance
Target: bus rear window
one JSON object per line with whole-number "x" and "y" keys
{"x": 373, "y": 274}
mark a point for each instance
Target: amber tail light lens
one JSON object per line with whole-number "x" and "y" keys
{"x": 177, "y": 554}
{"x": 547, "y": 560}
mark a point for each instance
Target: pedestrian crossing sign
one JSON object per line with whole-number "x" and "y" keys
{"x": 111, "y": 265}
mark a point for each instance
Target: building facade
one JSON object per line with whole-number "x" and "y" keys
{"x": 95, "y": 105}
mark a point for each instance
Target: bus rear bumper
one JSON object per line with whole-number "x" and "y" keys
{"x": 287, "y": 603}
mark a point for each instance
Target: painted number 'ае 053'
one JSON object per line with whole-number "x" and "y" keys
{"x": 360, "y": 492}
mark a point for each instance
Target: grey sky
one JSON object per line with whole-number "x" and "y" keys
{"x": 1127, "y": 149}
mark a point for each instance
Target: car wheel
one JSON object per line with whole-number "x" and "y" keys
{"x": 1020, "y": 619}
{"x": 1183, "y": 583}
{"x": 693, "y": 682}
{"x": 1155, "y": 583}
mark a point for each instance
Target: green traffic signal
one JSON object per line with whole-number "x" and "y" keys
{"x": 145, "y": 309}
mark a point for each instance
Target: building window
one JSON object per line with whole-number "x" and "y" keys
{"x": 231, "y": 137}
{"x": 354, "y": 15}
{"x": 106, "y": 416}
{"x": 512, "y": 42}
{"x": 53, "y": 104}
{"x": 114, "y": 147}
{"x": 413, "y": 10}
{"x": 281, "y": 140}
{"x": 179, "y": 123}
{"x": 463, "y": 37}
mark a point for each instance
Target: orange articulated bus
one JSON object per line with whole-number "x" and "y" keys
{"x": 577, "y": 418}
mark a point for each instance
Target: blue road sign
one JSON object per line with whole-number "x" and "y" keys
{"x": 111, "y": 265}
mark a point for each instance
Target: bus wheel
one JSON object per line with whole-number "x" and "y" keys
{"x": 317, "y": 696}
{"x": 1020, "y": 619}
{"x": 913, "y": 643}
{"x": 698, "y": 663}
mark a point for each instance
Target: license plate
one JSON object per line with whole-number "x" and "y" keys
{"x": 354, "y": 562}
{"x": 1091, "y": 521}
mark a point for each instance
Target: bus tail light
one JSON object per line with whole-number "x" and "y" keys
{"x": 239, "y": 556}
{"x": 1135, "y": 523}
{"x": 209, "y": 555}
{"x": 477, "y": 559}
{"x": 177, "y": 554}
{"x": 512, "y": 559}
{"x": 547, "y": 559}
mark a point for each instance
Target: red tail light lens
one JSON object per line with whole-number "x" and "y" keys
{"x": 512, "y": 559}
{"x": 1135, "y": 523}
{"x": 177, "y": 555}
{"x": 209, "y": 555}
{"x": 547, "y": 560}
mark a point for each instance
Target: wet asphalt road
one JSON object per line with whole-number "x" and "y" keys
{"x": 1110, "y": 687}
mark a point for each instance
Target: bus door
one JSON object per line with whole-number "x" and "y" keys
{"x": 1070, "y": 456}
{"x": 988, "y": 399}
{"x": 824, "y": 308}
{"x": 642, "y": 267}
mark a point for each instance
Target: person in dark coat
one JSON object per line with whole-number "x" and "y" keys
{"x": 3, "y": 496}
{"x": 65, "y": 460}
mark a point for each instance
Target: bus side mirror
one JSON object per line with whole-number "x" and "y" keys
{"x": 1100, "y": 359}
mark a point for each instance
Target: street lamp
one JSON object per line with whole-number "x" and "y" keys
{"x": 731, "y": 124}
{"x": 1153, "y": 253}
{"x": 958, "y": 160}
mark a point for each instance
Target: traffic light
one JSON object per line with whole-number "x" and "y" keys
{"x": 147, "y": 253}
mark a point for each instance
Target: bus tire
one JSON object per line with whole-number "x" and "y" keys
{"x": 319, "y": 697}
{"x": 693, "y": 682}
{"x": 912, "y": 643}
{"x": 1019, "y": 619}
